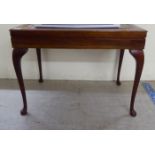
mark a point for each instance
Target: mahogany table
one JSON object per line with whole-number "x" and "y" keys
{"x": 128, "y": 37}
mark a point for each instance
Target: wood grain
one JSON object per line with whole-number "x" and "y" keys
{"x": 128, "y": 36}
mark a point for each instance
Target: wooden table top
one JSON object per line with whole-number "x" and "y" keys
{"x": 126, "y": 27}
{"x": 128, "y": 36}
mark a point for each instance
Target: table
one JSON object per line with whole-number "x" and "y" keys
{"x": 128, "y": 36}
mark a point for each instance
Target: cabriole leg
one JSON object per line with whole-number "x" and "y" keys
{"x": 17, "y": 56}
{"x": 38, "y": 50}
{"x": 120, "y": 66}
{"x": 139, "y": 58}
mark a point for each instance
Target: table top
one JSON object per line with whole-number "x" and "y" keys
{"x": 127, "y": 36}
{"x": 123, "y": 27}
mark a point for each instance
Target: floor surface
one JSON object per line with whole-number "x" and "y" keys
{"x": 74, "y": 105}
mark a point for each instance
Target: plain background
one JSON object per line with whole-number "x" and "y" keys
{"x": 64, "y": 64}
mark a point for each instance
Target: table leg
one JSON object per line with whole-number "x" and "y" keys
{"x": 38, "y": 50}
{"x": 120, "y": 66}
{"x": 139, "y": 57}
{"x": 17, "y": 56}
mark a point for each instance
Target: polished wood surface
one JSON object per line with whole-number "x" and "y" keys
{"x": 128, "y": 37}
